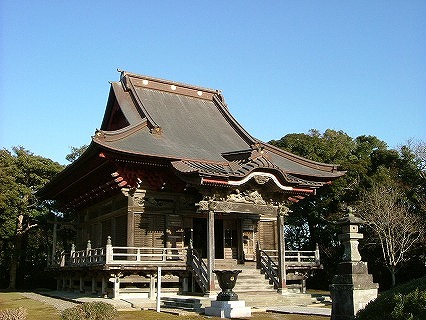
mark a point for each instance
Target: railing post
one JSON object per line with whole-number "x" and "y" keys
{"x": 72, "y": 254}
{"x": 88, "y": 248}
{"x": 138, "y": 254}
{"x": 317, "y": 255}
{"x": 62, "y": 262}
{"x": 108, "y": 251}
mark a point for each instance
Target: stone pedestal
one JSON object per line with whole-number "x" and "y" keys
{"x": 228, "y": 309}
{"x": 351, "y": 290}
{"x": 352, "y": 287}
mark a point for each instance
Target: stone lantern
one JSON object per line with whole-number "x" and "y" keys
{"x": 352, "y": 287}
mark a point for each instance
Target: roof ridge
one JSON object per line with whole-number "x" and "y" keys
{"x": 165, "y": 81}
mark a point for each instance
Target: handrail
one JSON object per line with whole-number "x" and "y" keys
{"x": 270, "y": 267}
{"x": 110, "y": 255}
{"x": 132, "y": 255}
{"x": 199, "y": 268}
{"x": 301, "y": 257}
{"x": 293, "y": 259}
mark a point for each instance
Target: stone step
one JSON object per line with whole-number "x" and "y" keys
{"x": 188, "y": 304}
{"x": 251, "y": 280}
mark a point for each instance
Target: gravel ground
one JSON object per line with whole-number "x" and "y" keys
{"x": 59, "y": 304}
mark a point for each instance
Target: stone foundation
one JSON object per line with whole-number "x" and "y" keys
{"x": 228, "y": 309}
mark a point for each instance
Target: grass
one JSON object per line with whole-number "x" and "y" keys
{"x": 152, "y": 315}
{"x": 40, "y": 311}
{"x": 35, "y": 309}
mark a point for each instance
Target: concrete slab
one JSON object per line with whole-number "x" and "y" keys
{"x": 301, "y": 310}
{"x": 272, "y": 302}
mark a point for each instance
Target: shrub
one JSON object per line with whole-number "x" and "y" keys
{"x": 405, "y": 302}
{"x": 90, "y": 311}
{"x": 13, "y": 314}
{"x": 411, "y": 306}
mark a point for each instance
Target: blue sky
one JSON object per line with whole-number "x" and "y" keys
{"x": 283, "y": 66}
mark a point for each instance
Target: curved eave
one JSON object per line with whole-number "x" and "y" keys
{"x": 273, "y": 178}
{"x": 322, "y": 167}
{"x": 73, "y": 173}
{"x": 271, "y": 181}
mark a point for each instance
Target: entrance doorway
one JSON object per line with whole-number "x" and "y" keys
{"x": 230, "y": 239}
{"x": 200, "y": 237}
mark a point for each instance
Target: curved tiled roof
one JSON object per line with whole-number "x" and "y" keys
{"x": 152, "y": 122}
{"x": 192, "y": 127}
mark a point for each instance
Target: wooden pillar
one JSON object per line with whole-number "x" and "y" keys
{"x": 130, "y": 228}
{"x": 193, "y": 284}
{"x": 133, "y": 201}
{"x": 240, "y": 241}
{"x": 93, "y": 285}
{"x": 158, "y": 288}
{"x": 185, "y": 284}
{"x": 81, "y": 284}
{"x": 151, "y": 287}
{"x": 116, "y": 288}
{"x": 210, "y": 248}
{"x": 104, "y": 287}
{"x": 281, "y": 250}
{"x": 55, "y": 228}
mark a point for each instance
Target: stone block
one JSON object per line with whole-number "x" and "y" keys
{"x": 347, "y": 301}
{"x": 228, "y": 309}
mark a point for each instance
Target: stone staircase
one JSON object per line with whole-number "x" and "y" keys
{"x": 249, "y": 280}
{"x": 254, "y": 288}
{"x": 251, "y": 287}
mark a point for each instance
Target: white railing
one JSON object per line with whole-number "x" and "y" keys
{"x": 114, "y": 255}
{"x": 88, "y": 257}
{"x": 144, "y": 255}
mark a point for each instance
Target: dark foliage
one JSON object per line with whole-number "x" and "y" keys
{"x": 405, "y": 302}
{"x": 367, "y": 161}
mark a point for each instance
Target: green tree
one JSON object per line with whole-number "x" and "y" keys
{"x": 22, "y": 174}
{"x": 368, "y": 162}
{"x": 76, "y": 152}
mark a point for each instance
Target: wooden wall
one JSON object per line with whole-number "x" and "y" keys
{"x": 267, "y": 234}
